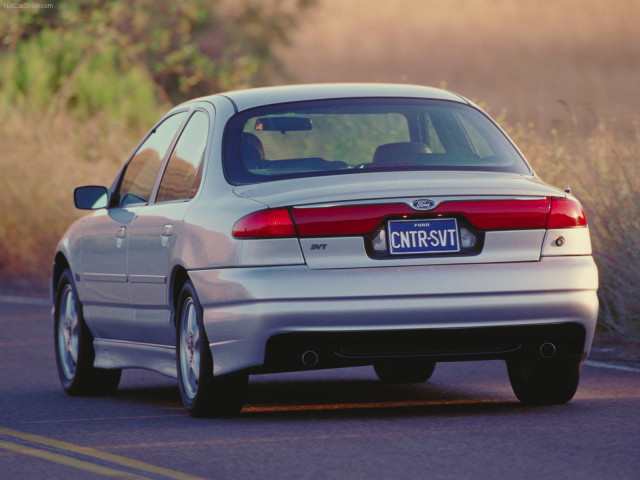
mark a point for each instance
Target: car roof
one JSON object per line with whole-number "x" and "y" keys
{"x": 255, "y": 97}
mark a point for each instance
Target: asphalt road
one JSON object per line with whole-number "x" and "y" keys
{"x": 464, "y": 423}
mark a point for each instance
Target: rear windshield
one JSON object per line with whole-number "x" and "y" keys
{"x": 335, "y": 137}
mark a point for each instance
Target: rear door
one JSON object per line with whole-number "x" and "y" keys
{"x": 157, "y": 228}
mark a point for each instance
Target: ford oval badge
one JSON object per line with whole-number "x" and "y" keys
{"x": 423, "y": 204}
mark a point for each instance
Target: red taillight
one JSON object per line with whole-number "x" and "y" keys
{"x": 500, "y": 214}
{"x": 566, "y": 213}
{"x": 349, "y": 220}
{"x": 265, "y": 224}
{"x": 362, "y": 219}
{"x": 553, "y": 212}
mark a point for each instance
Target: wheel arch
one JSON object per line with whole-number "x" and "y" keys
{"x": 60, "y": 264}
{"x": 179, "y": 277}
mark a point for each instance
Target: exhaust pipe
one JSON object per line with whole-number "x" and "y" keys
{"x": 309, "y": 358}
{"x": 547, "y": 350}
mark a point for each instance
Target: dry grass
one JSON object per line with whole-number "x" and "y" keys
{"x": 603, "y": 171}
{"x": 517, "y": 55}
{"x": 42, "y": 160}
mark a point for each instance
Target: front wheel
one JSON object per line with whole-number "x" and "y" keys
{"x": 203, "y": 395}
{"x": 539, "y": 381}
{"x": 74, "y": 346}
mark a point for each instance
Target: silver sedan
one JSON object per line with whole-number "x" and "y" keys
{"x": 323, "y": 226}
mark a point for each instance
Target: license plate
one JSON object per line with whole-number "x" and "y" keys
{"x": 408, "y": 237}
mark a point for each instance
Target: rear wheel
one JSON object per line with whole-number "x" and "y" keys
{"x": 404, "y": 370}
{"x": 540, "y": 381}
{"x": 74, "y": 346}
{"x": 203, "y": 395}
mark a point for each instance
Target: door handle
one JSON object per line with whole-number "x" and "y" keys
{"x": 120, "y": 234}
{"x": 167, "y": 231}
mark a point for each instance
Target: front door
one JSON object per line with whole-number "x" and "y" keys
{"x": 106, "y": 304}
{"x": 106, "y": 239}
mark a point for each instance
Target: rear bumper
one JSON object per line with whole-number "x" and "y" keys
{"x": 340, "y": 349}
{"x": 246, "y": 307}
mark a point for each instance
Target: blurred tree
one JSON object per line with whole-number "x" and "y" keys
{"x": 120, "y": 56}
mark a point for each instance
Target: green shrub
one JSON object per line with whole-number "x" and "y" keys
{"x": 58, "y": 71}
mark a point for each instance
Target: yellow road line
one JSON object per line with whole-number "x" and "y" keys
{"x": 97, "y": 419}
{"x": 70, "y": 461}
{"x": 93, "y": 453}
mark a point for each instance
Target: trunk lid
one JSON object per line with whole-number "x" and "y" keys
{"x": 392, "y": 185}
{"x": 307, "y": 198}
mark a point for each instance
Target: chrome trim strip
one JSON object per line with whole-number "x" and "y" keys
{"x": 408, "y": 200}
{"x": 155, "y": 279}
{"x": 105, "y": 277}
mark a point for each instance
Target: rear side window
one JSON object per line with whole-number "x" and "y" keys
{"x": 354, "y": 136}
{"x": 141, "y": 172}
{"x": 182, "y": 176}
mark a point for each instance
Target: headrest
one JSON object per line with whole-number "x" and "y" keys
{"x": 252, "y": 150}
{"x": 399, "y": 152}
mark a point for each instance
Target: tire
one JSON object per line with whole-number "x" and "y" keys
{"x": 404, "y": 370}
{"x": 541, "y": 381}
{"x": 203, "y": 395}
{"x": 74, "y": 346}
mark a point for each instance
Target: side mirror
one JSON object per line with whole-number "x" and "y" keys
{"x": 91, "y": 197}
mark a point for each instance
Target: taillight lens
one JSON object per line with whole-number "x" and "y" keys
{"x": 362, "y": 219}
{"x": 566, "y": 213}
{"x": 500, "y": 214}
{"x": 555, "y": 212}
{"x": 265, "y": 224}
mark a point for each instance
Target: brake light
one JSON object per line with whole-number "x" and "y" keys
{"x": 566, "y": 213}
{"x": 265, "y": 224}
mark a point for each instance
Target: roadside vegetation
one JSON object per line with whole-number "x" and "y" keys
{"x": 602, "y": 168}
{"x": 80, "y": 84}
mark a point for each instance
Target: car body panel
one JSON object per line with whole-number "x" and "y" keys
{"x": 122, "y": 354}
{"x": 567, "y": 241}
{"x": 153, "y": 236}
{"x": 379, "y": 186}
{"x": 350, "y": 252}
{"x": 251, "y": 98}
{"x": 103, "y": 273}
{"x": 244, "y": 307}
